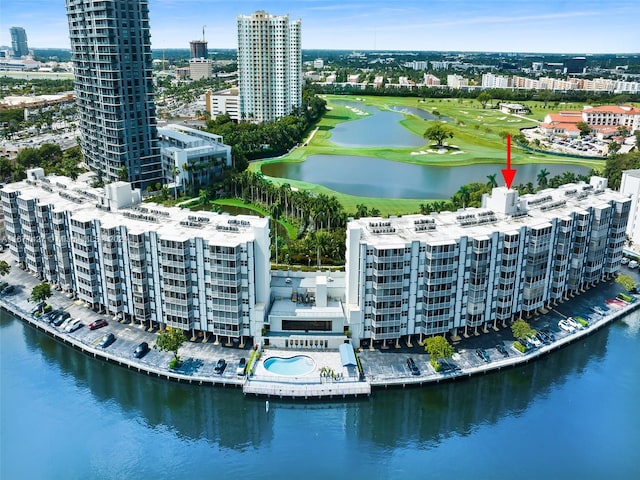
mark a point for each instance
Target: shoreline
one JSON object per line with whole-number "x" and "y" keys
{"x": 204, "y": 356}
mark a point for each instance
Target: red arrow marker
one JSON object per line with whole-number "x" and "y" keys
{"x": 507, "y": 173}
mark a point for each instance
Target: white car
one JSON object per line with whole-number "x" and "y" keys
{"x": 574, "y": 323}
{"x": 566, "y": 326}
{"x": 633, "y": 264}
{"x": 534, "y": 341}
{"x": 625, "y": 260}
{"x": 66, "y": 323}
{"x": 73, "y": 325}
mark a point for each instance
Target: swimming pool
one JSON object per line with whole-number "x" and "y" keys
{"x": 294, "y": 366}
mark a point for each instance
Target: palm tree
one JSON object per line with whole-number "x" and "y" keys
{"x": 492, "y": 183}
{"x": 276, "y": 211}
{"x": 542, "y": 177}
{"x": 175, "y": 171}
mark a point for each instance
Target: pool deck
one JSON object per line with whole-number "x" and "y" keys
{"x": 382, "y": 368}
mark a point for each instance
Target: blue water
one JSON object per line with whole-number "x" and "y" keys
{"x": 379, "y": 129}
{"x": 298, "y": 365}
{"x": 376, "y": 177}
{"x": 573, "y": 414}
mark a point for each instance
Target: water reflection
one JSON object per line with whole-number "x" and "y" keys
{"x": 424, "y": 416}
{"x": 418, "y": 112}
{"x": 376, "y": 177}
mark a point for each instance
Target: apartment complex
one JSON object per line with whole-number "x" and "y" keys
{"x": 194, "y": 156}
{"x": 111, "y": 56}
{"x": 19, "y": 42}
{"x": 460, "y": 272}
{"x": 154, "y": 265}
{"x": 630, "y": 185}
{"x": 269, "y": 66}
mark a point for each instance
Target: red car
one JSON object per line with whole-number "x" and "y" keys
{"x": 101, "y": 322}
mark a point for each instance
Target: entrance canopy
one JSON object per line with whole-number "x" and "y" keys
{"x": 347, "y": 356}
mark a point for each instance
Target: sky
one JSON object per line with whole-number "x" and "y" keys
{"x": 548, "y": 26}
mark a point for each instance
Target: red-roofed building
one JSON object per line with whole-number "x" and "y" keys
{"x": 605, "y": 120}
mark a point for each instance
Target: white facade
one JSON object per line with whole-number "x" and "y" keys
{"x": 195, "y": 271}
{"x": 200, "y": 68}
{"x": 225, "y": 102}
{"x": 630, "y": 185}
{"x": 198, "y": 156}
{"x": 460, "y": 272}
{"x": 457, "y": 81}
{"x": 269, "y": 66}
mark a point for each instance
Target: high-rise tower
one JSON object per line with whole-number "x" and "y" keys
{"x": 111, "y": 54}
{"x": 19, "y": 42}
{"x": 269, "y": 66}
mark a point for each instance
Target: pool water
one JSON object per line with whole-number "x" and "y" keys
{"x": 294, "y": 366}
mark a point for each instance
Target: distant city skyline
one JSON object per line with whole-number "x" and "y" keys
{"x": 546, "y": 26}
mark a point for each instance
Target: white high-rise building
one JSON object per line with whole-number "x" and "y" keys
{"x": 269, "y": 66}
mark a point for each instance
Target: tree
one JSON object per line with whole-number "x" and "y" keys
{"x": 521, "y": 329}
{"x": 613, "y": 147}
{"x": 623, "y": 130}
{"x": 483, "y": 98}
{"x": 492, "y": 183}
{"x": 276, "y": 212}
{"x": 438, "y": 133}
{"x": 584, "y": 128}
{"x": 542, "y": 177}
{"x": 40, "y": 293}
{"x": 438, "y": 347}
{"x": 123, "y": 173}
{"x": 5, "y": 268}
{"x": 626, "y": 281}
{"x": 170, "y": 341}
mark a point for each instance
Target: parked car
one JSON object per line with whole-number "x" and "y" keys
{"x": 483, "y": 355}
{"x": 549, "y": 335}
{"x": 534, "y": 341}
{"x": 73, "y": 325}
{"x": 503, "y": 351}
{"x": 599, "y": 310}
{"x": 141, "y": 350}
{"x": 566, "y": 326}
{"x": 66, "y": 323}
{"x": 242, "y": 365}
{"x": 625, "y": 260}
{"x": 574, "y": 323}
{"x": 542, "y": 337}
{"x": 633, "y": 264}
{"x": 59, "y": 319}
{"x": 107, "y": 340}
{"x": 50, "y": 316}
{"x": 37, "y": 308}
{"x": 7, "y": 290}
{"x": 220, "y": 366}
{"x": 99, "y": 323}
{"x": 412, "y": 366}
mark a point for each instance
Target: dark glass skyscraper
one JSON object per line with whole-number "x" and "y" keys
{"x": 19, "y": 41}
{"x": 111, "y": 54}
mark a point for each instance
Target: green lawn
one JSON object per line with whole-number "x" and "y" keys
{"x": 476, "y": 140}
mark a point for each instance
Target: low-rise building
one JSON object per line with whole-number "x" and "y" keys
{"x": 224, "y": 102}
{"x": 192, "y": 158}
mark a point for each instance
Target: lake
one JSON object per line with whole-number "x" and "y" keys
{"x": 381, "y": 128}
{"x": 572, "y": 414}
{"x": 376, "y": 177}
